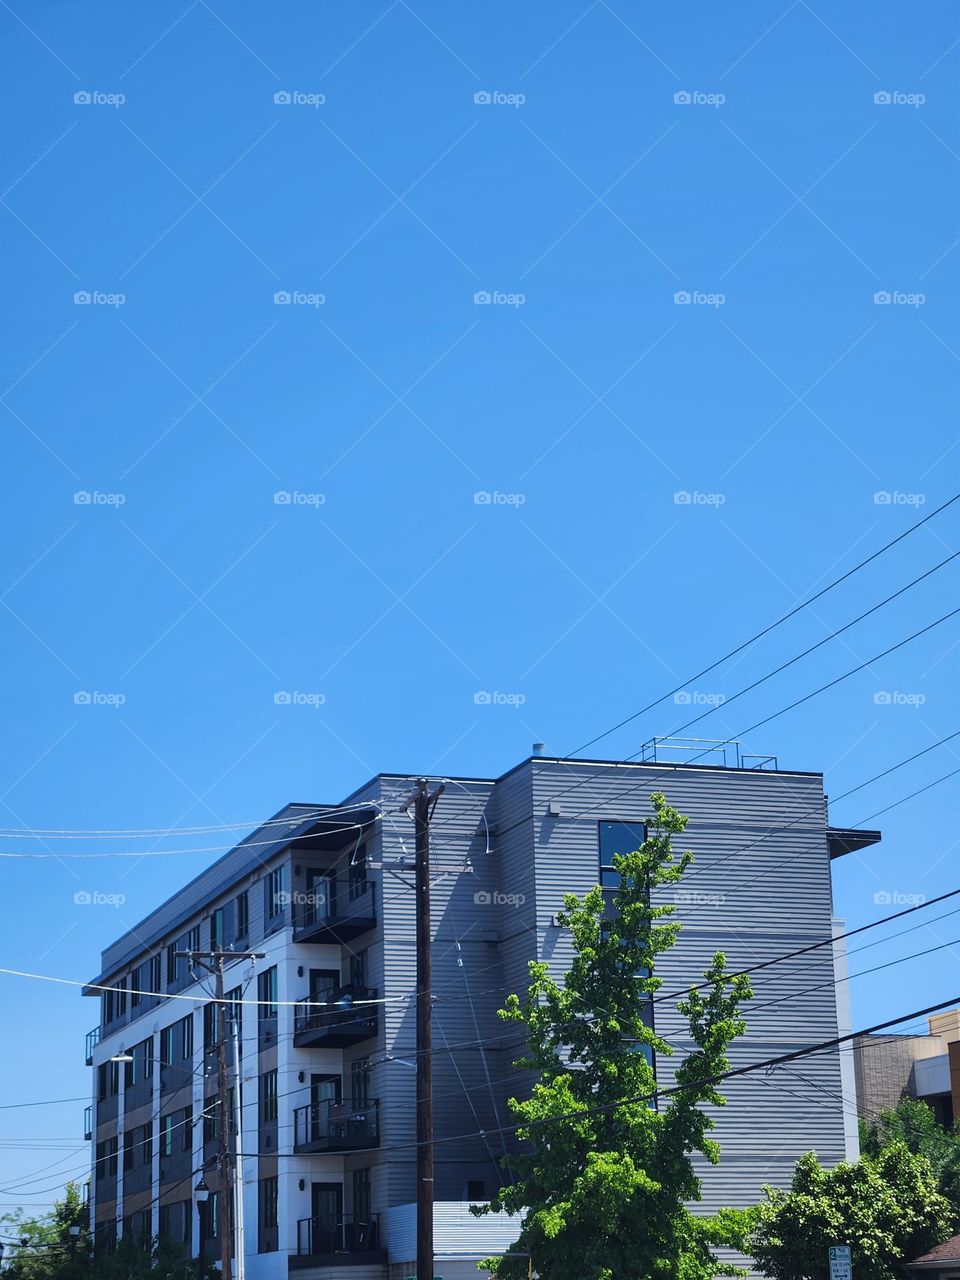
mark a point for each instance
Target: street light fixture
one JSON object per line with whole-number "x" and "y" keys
{"x": 201, "y": 1191}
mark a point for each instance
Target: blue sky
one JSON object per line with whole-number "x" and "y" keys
{"x": 380, "y": 165}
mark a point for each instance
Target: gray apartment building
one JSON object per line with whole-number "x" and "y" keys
{"x": 325, "y": 1020}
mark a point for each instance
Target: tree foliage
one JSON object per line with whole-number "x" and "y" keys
{"x": 886, "y": 1207}
{"x": 605, "y": 1174}
{"x": 42, "y": 1248}
{"x": 914, "y": 1124}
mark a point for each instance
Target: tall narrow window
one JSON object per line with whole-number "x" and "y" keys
{"x": 268, "y": 1097}
{"x": 216, "y": 929}
{"x": 361, "y": 1195}
{"x": 617, "y": 837}
{"x": 360, "y": 1082}
{"x": 358, "y": 969}
{"x": 357, "y": 880}
{"x": 274, "y": 897}
{"x": 267, "y": 992}
{"x": 243, "y": 914}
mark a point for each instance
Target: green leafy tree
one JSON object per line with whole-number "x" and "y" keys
{"x": 42, "y": 1248}
{"x": 914, "y": 1124}
{"x": 605, "y": 1176}
{"x": 887, "y": 1208}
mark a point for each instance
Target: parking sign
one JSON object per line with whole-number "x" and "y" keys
{"x": 840, "y": 1264}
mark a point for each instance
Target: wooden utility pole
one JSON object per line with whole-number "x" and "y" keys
{"x": 223, "y": 1131}
{"x": 214, "y": 962}
{"x": 424, "y": 802}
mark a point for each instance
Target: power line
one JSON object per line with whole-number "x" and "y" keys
{"x": 798, "y": 702}
{"x": 804, "y": 604}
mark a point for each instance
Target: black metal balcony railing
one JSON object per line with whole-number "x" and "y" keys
{"x": 93, "y": 1039}
{"x": 342, "y": 1234}
{"x": 318, "y": 916}
{"x": 332, "y": 1126}
{"x": 339, "y": 1017}
{"x": 88, "y": 1123}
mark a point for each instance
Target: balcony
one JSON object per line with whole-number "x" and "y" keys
{"x": 93, "y": 1039}
{"x": 336, "y": 1126}
{"x": 88, "y": 1124}
{"x": 341, "y": 1241}
{"x": 318, "y": 918}
{"x": 334, "y": 1019}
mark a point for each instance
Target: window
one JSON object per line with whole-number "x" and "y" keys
{"x": 174, "y": 1224}
{"x": 216, "y": 929}
{"x": 128, "y": 1150}
{"x": 476, "y": 1190}
{"x": 358, "y": 969}
{"x": 101, "y": 1081}
{"x": 234, "y": 1015}
{"x": 360, "y": 1082}
{"x": 171, "y": 976}
{"x": 268, "y": 1097}
{"x": 361, "y": 1195}
{"x": 115, "y": 1001}
{"x": 267, "y": 993}
{"x": 211, "y": 1026}
{"x": 211, "y": 1120}
{"x": 210, "y": 1217}
{"x": 114, "y": 1077}
{"x": 138, "y": 978}
{"x": 273, "y": 893}
{"x": 617, "y": 837}
{"x": 186, "y": 1139}
{"x": 146, "y": 1143}
{"x": 268, "y": 1216}
{"x": 357, "y": 881}
{"x": 140, "y": 1070}
{"x": 186, "y": 1035}
{"x": 243, "y": 914}
{"x": 107, "y": 1158}
{"x": 155, "y": 974}
{"x": 166, "y": 1137}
